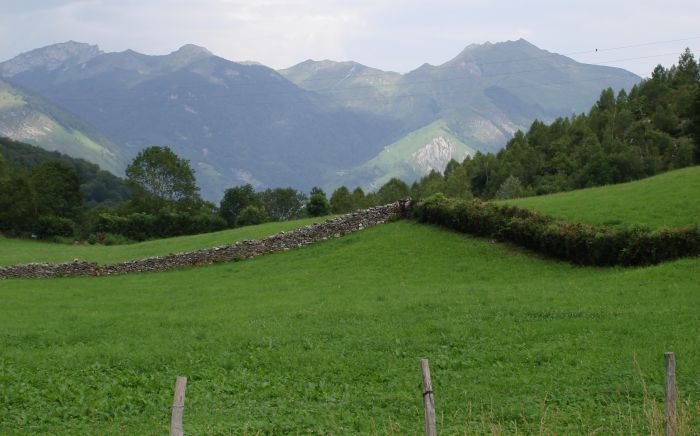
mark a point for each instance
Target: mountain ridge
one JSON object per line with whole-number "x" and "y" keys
{"x": 241, "y": 122}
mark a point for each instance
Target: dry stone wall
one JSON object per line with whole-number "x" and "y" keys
{"x": 332, "y": 228}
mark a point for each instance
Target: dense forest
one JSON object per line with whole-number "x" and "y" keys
{"x": 654, "y": 127}
{"x": 97, "y": 185}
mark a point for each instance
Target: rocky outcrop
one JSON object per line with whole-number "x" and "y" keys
{"x": 283, "y": 241}
{"x": 436, "y": 154}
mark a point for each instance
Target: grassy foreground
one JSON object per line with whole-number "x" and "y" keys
{"x": 327, "y": 339}
{"x": 668, "y": 200}
{"x": 14, "y": 251}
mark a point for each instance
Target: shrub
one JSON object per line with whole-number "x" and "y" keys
{"x": 142, "y": 226}
{"x": 579, "y": 243}
{"x": 251, "y": 215}
{"x": 50, "y": 226}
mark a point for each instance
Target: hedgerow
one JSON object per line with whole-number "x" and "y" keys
{"x": 579, "y": 243}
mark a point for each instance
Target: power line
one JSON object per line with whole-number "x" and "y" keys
{"x": 526, "y": 58}
{"x": 644, "y": 44}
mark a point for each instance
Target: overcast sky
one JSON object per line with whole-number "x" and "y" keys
{"x": 396, "y": 35}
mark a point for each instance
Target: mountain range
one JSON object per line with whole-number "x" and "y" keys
{"x": 317, "y": 123}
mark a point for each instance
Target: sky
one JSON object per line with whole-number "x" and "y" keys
{"x": 397, "y": 35}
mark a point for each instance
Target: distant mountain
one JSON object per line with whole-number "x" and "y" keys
{"x": 480, "y": 98}
{"x": 236, "y": 123}
{"x": 317, "y": 123}
{"x": 29, "y": 118}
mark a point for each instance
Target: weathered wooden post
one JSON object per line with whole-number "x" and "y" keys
{"x": 428, "y": 400}
{"x": 670, "y": 405}
{"x": 176, "y": 428}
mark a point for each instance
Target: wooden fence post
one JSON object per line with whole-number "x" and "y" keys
{"x": 176, "y": 428}
{"x": 670, "y": 406}
{"x": 428, "y": 400}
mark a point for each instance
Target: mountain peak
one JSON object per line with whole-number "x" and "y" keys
{"x": 192, "y": 50}
{"x": 187, "y": 54}
{"x": 50, "y": 57}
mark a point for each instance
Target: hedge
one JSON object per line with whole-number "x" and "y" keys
{"x": 582, "y": 244}
{"x": 142, "y": 226}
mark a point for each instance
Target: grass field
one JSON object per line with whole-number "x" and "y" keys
{"x": 668, "y": 200}
{"x": 326, "y": 339}
{"x": 14, "y": 251}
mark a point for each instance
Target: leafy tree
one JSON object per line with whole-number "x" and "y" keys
{"x": 318, "y": 203}
{"x": 282, "y": 204}
{"x": 457, "y": 184}
{"x": 251, "y": 215}
{"x": 694, "y": 124}
{"x": 57, "y": 190}
{"x": 17, "y": 205}
{"x": 392, "y": 191}
{"x": 510, "y": 188}
{"x": 428, "y": 185}
{"x": 451, "y": 167}
{"x": 235, "y": 200}
{"x": 358, "y": 198}
{"x": 161, "y": 179}
{"x": 341, "y": 200}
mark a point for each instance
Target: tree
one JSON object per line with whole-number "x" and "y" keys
{"x": 3, "y": 168}
{"x": 358, "y": 198}
{"x": 282, "y": 204}
{"x": 251, "y": 215}
{"x": 341, "y": 200}
{"x": 392, "y": 191}
{"x": 57, "y": 190}
{"x": 510, "y": 188}
{"x": 318, "y": 203}
{"x": 17, "y": 206}
{"x": 162, "y": 178}
{"x": 428, "y": 185}
{"x": 694, "y": 124}
{"x": 451, "y": 167}
{"x": 235, "y": 200}
{"x": 687, "y": 71}
{"x": 457, "y": 184}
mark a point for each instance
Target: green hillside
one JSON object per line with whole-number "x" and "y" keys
{"x": 28, "y": 118}
{"x": 419, "y": 152}
{"x": 15, "y": 251}
{"x": 668, "y": 200}
{"x": 327, "y": 339}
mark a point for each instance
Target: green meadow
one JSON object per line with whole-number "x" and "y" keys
{"x": 327, "y": 339}
{"x": 670, "y": 199}
{"x": 14, "y": 251}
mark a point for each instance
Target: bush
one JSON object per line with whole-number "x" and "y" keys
{"x": 50, "y": 226}
{"x": 142, "y": 226}
{"x": 582, "y": 244}
{"x": 108, "y": 239}
{"x": 251, "y": 215}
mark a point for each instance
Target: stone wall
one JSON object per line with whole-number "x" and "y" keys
{"x": 332, "y": 228}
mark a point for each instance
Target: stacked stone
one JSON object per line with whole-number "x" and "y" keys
{"x": 283, "y": 241}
